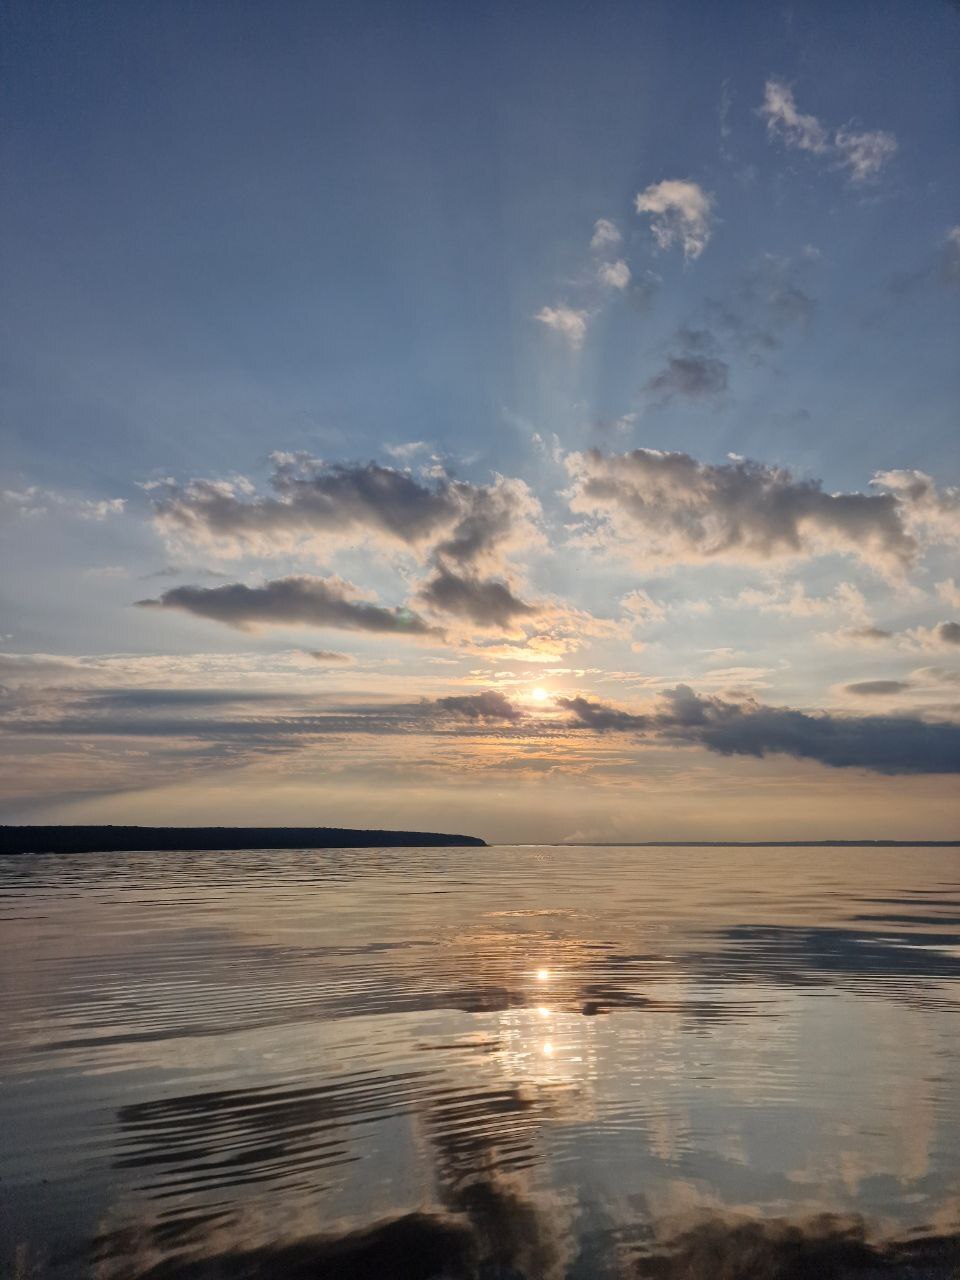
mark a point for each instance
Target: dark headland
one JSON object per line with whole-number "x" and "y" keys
{"x": 128, "y": 839}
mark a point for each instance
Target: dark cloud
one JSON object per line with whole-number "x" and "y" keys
{"x": 313, "y": 602}
{"x": 489, "y": 705}
{"x": 947, "y": 632}
{"x": 668, "y": 507}
{"x": 150, "y": 699}
{"x": 871, "y": 688}
{"x": 309, "y": 497}
{"x": 868, "y": 634}
{"x": 486, "y": 602}
{"x": 767, "y": 303}
{"x": 600, "y": 716}
{"x": 692, "y": 375}
{"x": 329, "y": 656}
{"x": 883, "y": 744}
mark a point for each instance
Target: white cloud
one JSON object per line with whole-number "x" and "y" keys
{"x": 643, "y": 608}
{"x": 568, "y": 322}
{"x": 862, "y": 153}
{"x": 865, "y": 154}
{"x": 681, "y": 213}
{"x": 779, "y": 109}
{"x": 614, "y": 275}
{"x": 606, "y": 234}
{"x": 949, "y": 593}
{"x": 793, "y": 601}
{"x": 408, "y": 450}
{"x": 927, "y": 510}
{"x": 34, "y": 501}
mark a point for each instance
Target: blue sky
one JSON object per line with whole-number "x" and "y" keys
{"x": 345, "y": 231}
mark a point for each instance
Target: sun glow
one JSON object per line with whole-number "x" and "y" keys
{"x": 539, "y": 694}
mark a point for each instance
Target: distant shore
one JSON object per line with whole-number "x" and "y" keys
{"x": 109, "y": 839}
{"x": 757, "y": 844}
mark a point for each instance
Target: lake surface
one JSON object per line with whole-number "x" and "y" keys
{"x": 503, "y": 1062}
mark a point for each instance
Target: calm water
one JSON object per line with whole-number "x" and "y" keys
{"x": 499, "y": 1062}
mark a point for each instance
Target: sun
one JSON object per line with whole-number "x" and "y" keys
{"x": 539, "y": 694}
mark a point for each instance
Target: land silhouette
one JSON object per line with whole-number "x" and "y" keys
{"x": 109, "y": 839}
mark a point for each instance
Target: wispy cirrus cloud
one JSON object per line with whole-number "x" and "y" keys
{"x": 34, "y": 501}
{"x": 863, "y": 153}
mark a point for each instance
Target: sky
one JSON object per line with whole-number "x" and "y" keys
{"x": 534, "y": 421}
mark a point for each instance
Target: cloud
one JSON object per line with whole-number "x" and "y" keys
{"x": 779, "y": 110}
{"x": 865, "y": 154}
{"x": 927, "y": 510}
{"x": 485, "y": 602}
{"x": 569, "y": 322}
{"x": 310, "y": 602}
{"x": 642, "y": 608}
{"x": 614, "y": 275}
{"x": 408, "y": 450}
{"x": 943, "y": 635}
{"x": 694, "y": 376}
{"x": 34, "y": 501}
{"x": 489, "y": 705}
{"x": 793, "y": 601}
{"x": 767, "y": 303}
{"x": 868, "y": 635}
{"x": 606, "y": 234}
{"x": 681, "y": 213}
{"x": 326, "y": 505}
{"x": 877, "y": 688}
{"x": 949, "y": 593}
{"x": 329, "y": 656}
{"x": 862, "y": 153}
{"x": 950, "y": 257}
{"x": 882, "y": 744}
{"x": 667, "y": 508}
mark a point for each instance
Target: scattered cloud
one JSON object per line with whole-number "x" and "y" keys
{"x": 318, "y": 506}
{"x": 312, "y": 602}
{"x": 606, "y": 235}
{"x": 681, "y": 214}
{"x": 928, "y": 511}
{"x": 863, "y": 153}
{"x": 404, "y": 452}
{"x": 667, "y": 508}
{"x": 877, "y": 688}
{"x": 792, "y": 600}
{"x": 486, "y": 603}
{"x": 488, "y": 705}
{"x": 34, "y": 501}
{"x": 944, "y": 635}
{"x": 696, "y": 377}
{"x": 642, "y": 608}
{"x": 569, "y": 322}
{"x": 882, "y": 744}
{"x": 614, "y": 275}
{"x": 950, "y": 257}
{"x": 949, "y": 593}
{"x": 857, "y": 636}
{"x": 329, "y": 657}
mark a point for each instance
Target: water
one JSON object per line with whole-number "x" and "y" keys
{"x": 499, "y": 1062}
